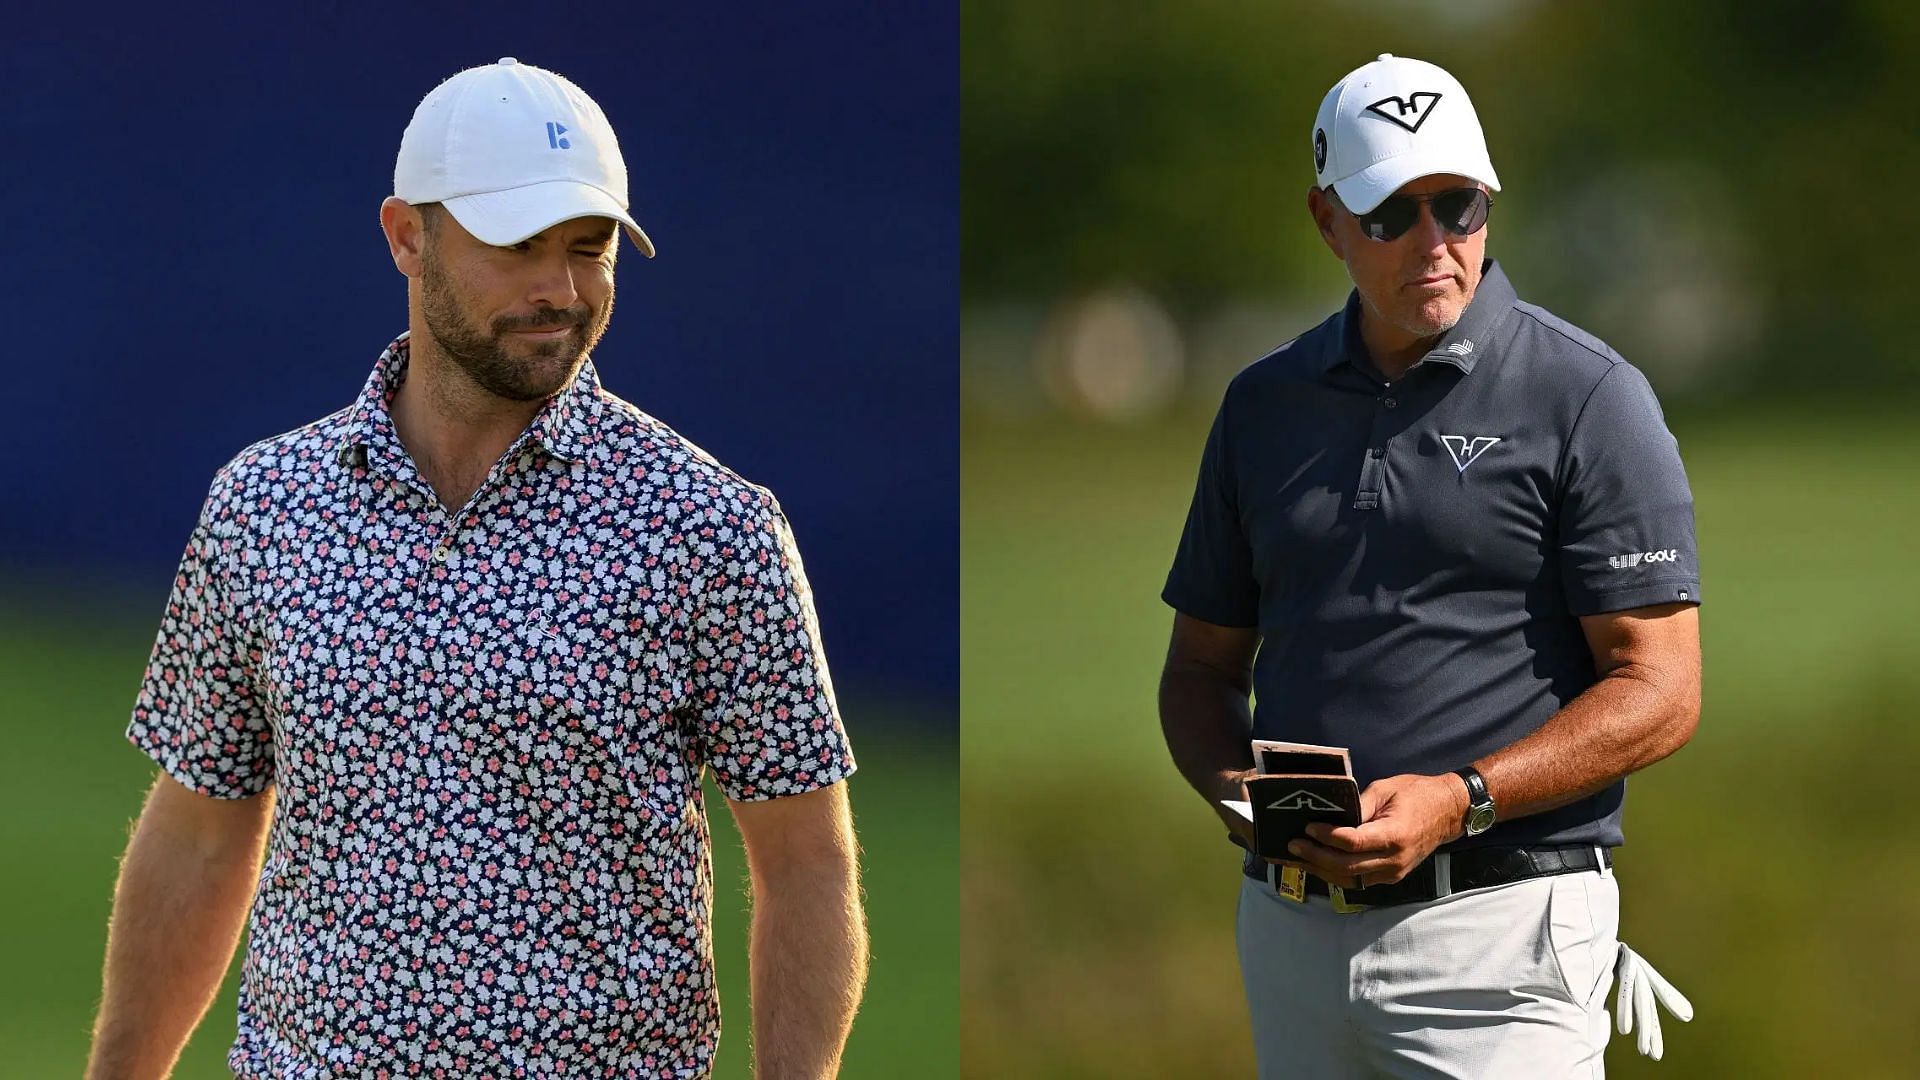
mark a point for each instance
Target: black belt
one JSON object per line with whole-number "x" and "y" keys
{"x": 1474, "y": 868}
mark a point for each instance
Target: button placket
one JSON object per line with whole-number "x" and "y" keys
{"x": 1373, "y": 466}
{"x": 427, "y": 623}
{"x": 1368, "y": 495}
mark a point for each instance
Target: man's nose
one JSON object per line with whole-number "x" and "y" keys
{"x": 1427, "y": 232}
{"x": 553, "y": 283}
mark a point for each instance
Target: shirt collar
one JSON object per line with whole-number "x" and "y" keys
{"x": 560, "y": 427}
{"x": 1462, "y": 346}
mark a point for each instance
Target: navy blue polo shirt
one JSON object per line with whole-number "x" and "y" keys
{"x": 1416, "y": 554}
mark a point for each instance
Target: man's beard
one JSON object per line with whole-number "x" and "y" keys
{"x": 545, "y": 367}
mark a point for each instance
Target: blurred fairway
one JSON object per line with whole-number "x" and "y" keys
{"x": 1771, "y": 868}
{"x": 74, "y": 786}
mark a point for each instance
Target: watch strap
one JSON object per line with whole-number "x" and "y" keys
{"x": 1478, "y": 799}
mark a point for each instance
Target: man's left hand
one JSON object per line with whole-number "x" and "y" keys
{"x": 1402, "y": 819}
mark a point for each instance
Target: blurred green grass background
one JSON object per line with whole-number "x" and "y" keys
{"x": 1770, "y": 870}
{"x": 74, "y": 786}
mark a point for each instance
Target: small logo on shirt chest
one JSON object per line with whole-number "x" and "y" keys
{"x": 1466, "y": 449}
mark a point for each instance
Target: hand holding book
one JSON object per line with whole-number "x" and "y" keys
{"x": 1296, "y": 783}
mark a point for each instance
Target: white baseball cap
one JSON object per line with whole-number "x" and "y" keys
{"x": 511, "y": 150}
{"x": 1395, "y": 120}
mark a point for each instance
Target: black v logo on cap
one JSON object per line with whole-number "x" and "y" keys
{"x": 1418, "y": 105}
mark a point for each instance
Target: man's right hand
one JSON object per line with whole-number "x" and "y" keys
{"x": 1233, "y": 786}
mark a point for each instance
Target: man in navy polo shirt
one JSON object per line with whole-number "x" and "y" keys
{"x": 1451, "y": 532}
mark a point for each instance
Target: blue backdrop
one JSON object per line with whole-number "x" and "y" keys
{"x": 194, "y": 261}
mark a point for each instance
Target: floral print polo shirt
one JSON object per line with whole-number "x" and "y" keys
{"x": 487, "y": 728}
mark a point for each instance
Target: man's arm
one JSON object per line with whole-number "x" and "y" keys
{"x": 1204, "y": 711}
{"x": 1645, "y": 706}
{"x": 809, "y": 941}
{"x": 185, "y": 885}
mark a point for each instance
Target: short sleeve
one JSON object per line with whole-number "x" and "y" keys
{"x": 200, "y": 714}
{"x": 768, "y": 725}
{"x": 1212, "y": 576}
{"x": 1626, "y": 536}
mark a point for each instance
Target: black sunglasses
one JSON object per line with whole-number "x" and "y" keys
{"x": 1461, "y": 211}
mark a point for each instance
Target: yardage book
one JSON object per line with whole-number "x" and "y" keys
{"x": 1297, "y": 783}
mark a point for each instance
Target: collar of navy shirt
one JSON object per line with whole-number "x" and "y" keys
{"x": 1462, "y": 346}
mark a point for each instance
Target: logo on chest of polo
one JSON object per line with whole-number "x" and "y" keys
{"x": 1466, "y": 449}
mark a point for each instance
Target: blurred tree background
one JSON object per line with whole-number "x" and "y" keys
{"x": 1717, "y": 191}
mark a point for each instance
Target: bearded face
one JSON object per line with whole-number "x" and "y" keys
{"x": 520, "y": 320}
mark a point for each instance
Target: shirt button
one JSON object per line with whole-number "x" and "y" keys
{"x": 440, "y": 553}
{"x": 1388, "y": 402}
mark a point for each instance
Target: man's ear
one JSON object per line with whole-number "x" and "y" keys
{"x": 406, "y": 235}
{"x": 1324, "y": 211}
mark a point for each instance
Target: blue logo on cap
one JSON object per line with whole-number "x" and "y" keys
{"x": 554, "y": 131}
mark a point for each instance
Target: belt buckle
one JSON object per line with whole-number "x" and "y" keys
{"x": 1340, "y": 903}
{"x": 1291, "y": 883}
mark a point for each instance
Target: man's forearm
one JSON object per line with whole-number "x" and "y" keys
{"x": 177, "y": 916}
{"x": 1628, "y": 720}
{"x": 1207, "y": 722}
{"x": 809, "y": 960}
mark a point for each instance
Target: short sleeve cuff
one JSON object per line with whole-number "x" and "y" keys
{"x": 1643, "y": 594}
{"x": 778, "y": 785}
{"x": 1209, "y": 609}
{"x": 234, "y": 781}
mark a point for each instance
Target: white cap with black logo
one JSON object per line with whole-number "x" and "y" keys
{"x": 512, "y": 150}
{"x": 1395, "y": 120}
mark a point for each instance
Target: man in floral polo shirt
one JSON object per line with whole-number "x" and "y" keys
{"x": 458, "y": 656}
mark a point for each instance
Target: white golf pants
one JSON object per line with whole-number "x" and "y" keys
{"x": 1503, "y": 982}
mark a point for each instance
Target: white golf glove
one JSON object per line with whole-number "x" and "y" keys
{"x": 1640, "y": 987}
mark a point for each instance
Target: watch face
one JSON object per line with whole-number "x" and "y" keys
{"x": 1480, "y": 820}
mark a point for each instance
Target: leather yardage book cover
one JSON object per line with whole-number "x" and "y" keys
{"x": 1284, "y": 805}
{"x": 1300, "y": 783}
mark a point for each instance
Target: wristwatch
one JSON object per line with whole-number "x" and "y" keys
{"x": 1479, "y": 803}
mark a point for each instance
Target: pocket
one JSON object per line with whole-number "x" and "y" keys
{"x": 1575, "y": 936}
